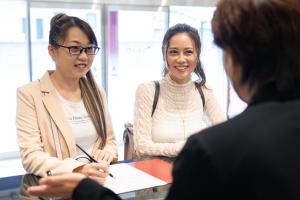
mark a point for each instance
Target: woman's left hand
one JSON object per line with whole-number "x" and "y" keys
{"x": 102, "y": 155}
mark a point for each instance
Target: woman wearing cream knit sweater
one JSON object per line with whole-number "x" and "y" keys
{"x": 180, "y": 107}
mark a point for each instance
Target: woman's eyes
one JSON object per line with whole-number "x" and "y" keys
{"x": 173, "y": 51}
{"x": 188, "y": 52}
{"x": 76, "y": 48}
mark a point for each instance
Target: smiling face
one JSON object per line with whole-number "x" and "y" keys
{"x": 72, "y": 66}
{"x": 181, "y": 57}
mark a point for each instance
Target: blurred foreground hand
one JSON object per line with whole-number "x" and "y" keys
{"x": 57, "y": 185}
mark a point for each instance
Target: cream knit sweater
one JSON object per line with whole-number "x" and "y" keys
{"x": 179, "y": 113}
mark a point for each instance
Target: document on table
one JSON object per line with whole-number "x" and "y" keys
{"x": 128, "y": 178}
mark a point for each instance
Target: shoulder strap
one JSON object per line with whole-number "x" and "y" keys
{"x": 156, "y": 95}
{"x": 201, "y": 94}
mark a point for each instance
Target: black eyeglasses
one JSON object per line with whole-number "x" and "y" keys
{"x": 77, "y": 50}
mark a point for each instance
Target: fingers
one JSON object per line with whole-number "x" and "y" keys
{"x": 97, "y": 169}
{"x": 96, "y": 173}
{"x": 64, "y": 191}
{"x": 58, "y": 180}
{"x": 101, "y": 166}
{"x": 48, "y": 191}
{"x": 37, "y": 190}
{"x": 109, "y": 159}
{"x": 57, "y": 185}
{"x": 101, "y": 155}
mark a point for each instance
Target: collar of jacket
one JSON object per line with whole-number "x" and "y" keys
{"x": 56, "y": 112}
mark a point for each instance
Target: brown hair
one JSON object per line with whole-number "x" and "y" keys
{"x": 263, "y": 37}
{"x": 93, "y": 102}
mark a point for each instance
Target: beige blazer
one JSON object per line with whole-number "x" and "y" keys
{"x": 39, "y": 115}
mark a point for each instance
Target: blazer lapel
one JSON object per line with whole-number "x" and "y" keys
{"x": 56, "y": 112}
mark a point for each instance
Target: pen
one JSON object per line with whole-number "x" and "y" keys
{"x": 91, "y": 158}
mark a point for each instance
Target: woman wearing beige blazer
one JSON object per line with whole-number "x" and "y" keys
{"x": 65, "y": 108}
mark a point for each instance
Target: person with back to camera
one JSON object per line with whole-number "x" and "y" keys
{"x": 66, "y": 108}
{"x": 181, "y": 103}
{"x": 254, "y": 155}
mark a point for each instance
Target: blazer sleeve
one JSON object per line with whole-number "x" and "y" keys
{"x": 91, "y": 190}
{"x": 111, "y": 145}
{"x": 194, "y": 175}
{"x": 142, "y": 126}
{"x": 35, "y": 150}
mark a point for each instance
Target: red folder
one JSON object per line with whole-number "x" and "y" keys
{"x": 157, "y": 168}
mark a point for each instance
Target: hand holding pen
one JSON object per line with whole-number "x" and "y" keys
{"x": 91, "y": 158}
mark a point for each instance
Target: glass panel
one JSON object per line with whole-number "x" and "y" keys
{"x": 14, "y": 67}
{"x": 134, "y": 56}
{"x": 40, "y": 18}
{"x": 39, "y": 29}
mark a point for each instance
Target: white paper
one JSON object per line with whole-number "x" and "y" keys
{"x": 128, "y": 178}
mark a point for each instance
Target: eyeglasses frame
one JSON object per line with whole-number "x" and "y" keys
{"x": 81, "y": 50}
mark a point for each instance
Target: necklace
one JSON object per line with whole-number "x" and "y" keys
{"x": 182, "y": 112}
{"x": 179, "y": 96}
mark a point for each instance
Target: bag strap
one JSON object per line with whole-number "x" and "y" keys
{"x": 157, "y": 90}
{"x": 156, "y": 95}
{"x": 201, "y": 94}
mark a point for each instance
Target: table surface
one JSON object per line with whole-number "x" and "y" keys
{"x": 155, "y": 193}
{"x": 14, "y": 187}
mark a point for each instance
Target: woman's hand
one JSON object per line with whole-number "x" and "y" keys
{"x": 57, "y": 186}
{"x": 102, "y": 155}
{"x": 96, "y": 171}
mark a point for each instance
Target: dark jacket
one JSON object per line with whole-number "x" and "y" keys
{"x": 89, "y": 189}
{"x": 255, "y": 155}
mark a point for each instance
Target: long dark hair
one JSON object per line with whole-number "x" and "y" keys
{"x": 193, "y": 33}
{"x": 93, "y": 102}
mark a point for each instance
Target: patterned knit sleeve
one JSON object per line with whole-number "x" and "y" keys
{"x": 212, "y": 107}
{"x": 143, "y": 143}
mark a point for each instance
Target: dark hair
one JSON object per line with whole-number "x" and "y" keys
{"x": 61, "y": 23}
{"x": 193, "y": 33}
{"x": 263, "y": 37}
{"x": 93, "y": 102}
